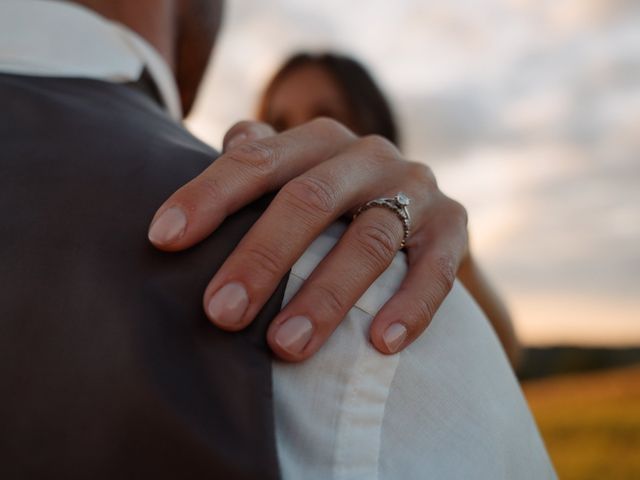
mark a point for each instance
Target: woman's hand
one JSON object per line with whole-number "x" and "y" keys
{"x": 322, "y": 171}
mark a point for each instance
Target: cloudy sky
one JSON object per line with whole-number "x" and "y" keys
{"x": 527, "y": 110}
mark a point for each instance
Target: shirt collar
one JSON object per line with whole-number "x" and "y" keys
{"x": 59, "y": 39}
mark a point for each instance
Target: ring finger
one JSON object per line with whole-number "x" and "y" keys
{"x": 364, "y": 251}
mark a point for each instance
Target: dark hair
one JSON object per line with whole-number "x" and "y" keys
{"x": 369, "y": 107}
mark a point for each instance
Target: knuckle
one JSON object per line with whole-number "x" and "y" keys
{"x": 242, "y": 126}
{"x": 423, "y": 173}
{"x": 332, "y": 127}
{"x": 451, "y": 212}
{"x": 257, "y": 157}
{"x": 379, "y": 148}
{"x": 458, "y": 210}
{"x": 378, "y": 242}
{"x": 250, "y": 129}
{"x": 331, "y": 300}
{"x": 311, "y": 195}
{"x": 265, "y": 260}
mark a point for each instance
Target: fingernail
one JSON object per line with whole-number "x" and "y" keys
{"x": 394, "y": 335}
{"x": 235, "y": 141}
{"x": 294, "y": 334}
{"x": 168, "y": 227}
{"x": 228, "y": 305}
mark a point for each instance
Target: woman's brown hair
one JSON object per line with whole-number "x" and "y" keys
{"x": 366, "y": 102}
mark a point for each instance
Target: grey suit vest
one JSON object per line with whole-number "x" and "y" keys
{"x": 108, "y": 365}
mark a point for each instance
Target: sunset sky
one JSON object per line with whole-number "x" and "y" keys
{"x": 527, "y": 110}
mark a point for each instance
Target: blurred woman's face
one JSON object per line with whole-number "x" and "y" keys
{"x": 303, "y": 94}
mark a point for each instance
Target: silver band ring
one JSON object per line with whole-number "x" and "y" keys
{"x": 397, "y": 204}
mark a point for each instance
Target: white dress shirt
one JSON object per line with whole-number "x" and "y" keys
{"x": 447, "y": 407}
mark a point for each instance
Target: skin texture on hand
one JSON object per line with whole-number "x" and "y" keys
{"x": 322, "y": 171}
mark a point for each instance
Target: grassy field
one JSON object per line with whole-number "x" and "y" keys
{"x": 590, "y": 423}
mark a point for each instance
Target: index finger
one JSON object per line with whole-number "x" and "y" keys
{"x": 242, "y": 174}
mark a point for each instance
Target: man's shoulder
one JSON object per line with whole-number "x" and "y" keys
{"x": 105, "y": 346}
{"x": 96, "y": 146}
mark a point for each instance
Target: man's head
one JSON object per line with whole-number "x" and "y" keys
{"x": 183, "y": 31}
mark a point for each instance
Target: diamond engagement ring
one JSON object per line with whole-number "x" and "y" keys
{"x": 397, "y": 204}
